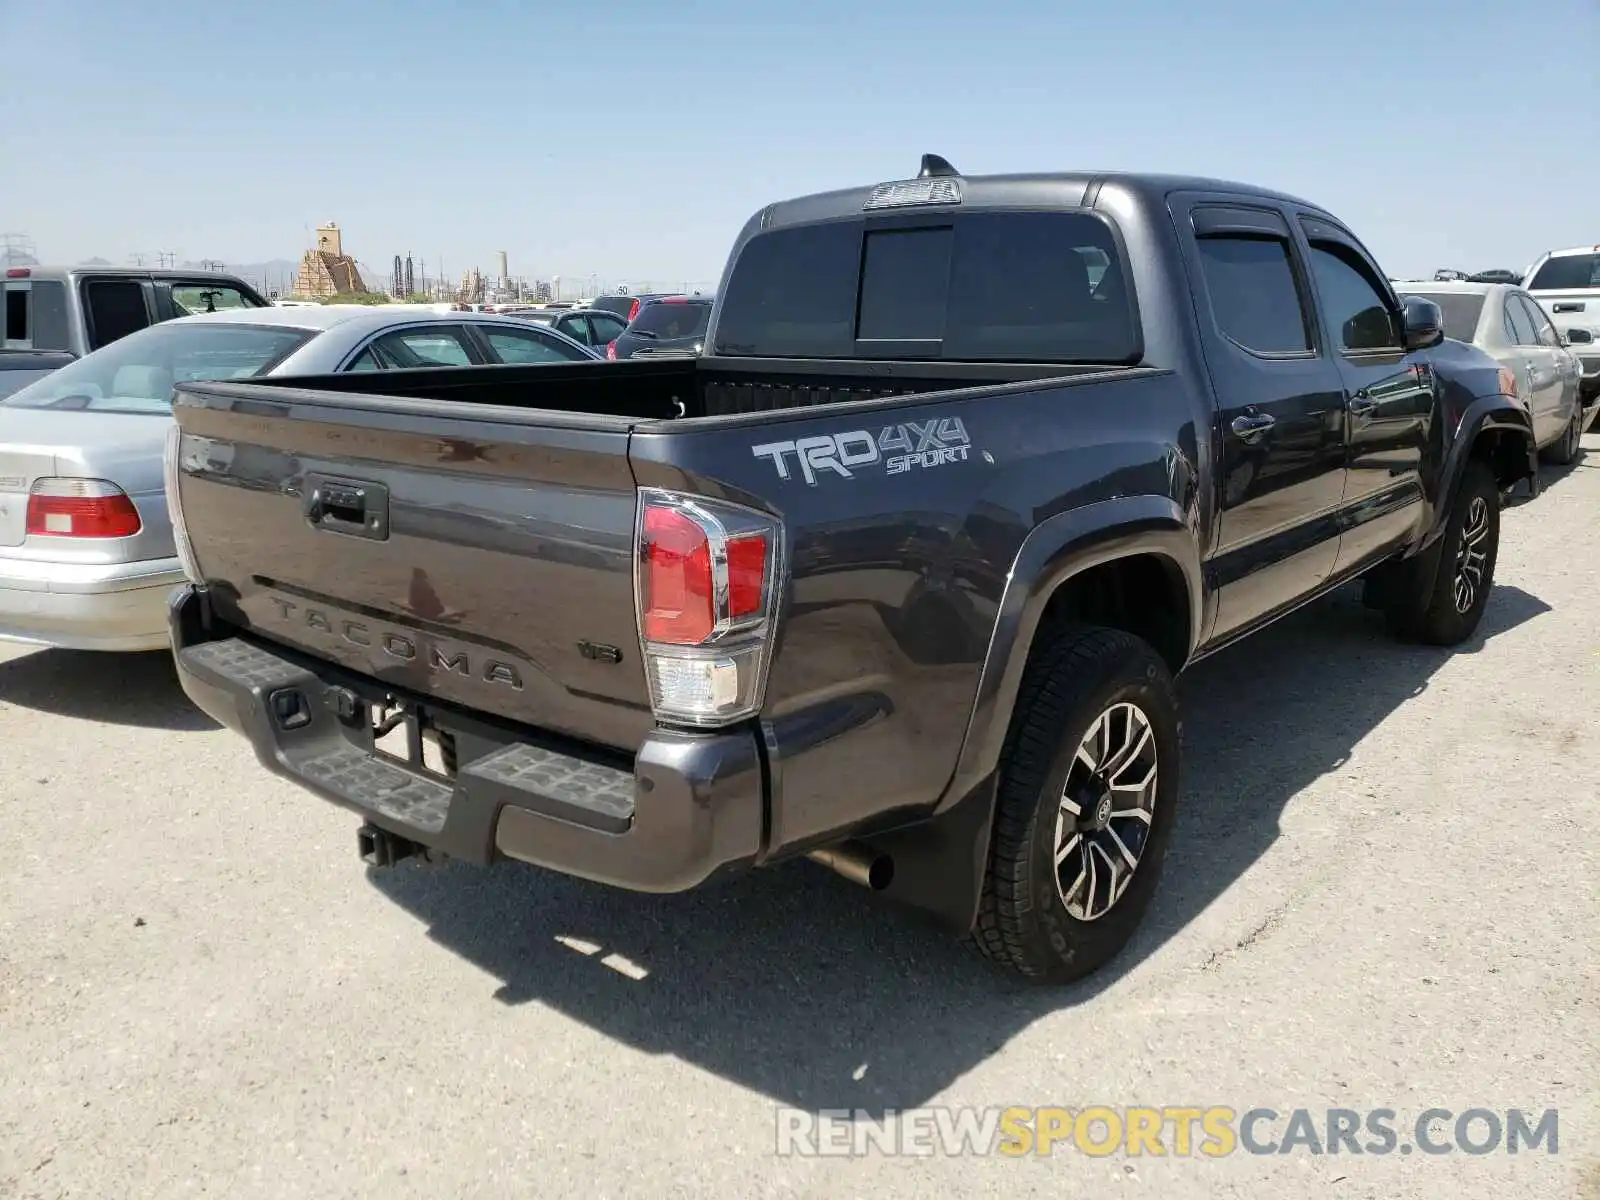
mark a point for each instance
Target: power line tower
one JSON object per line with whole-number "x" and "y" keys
{"x": 166, "y": 258}
{"x": 411, "y": 285}
{"x": 17, "y": 249}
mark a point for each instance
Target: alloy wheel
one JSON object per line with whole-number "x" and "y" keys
{"x": 1103, "y": 820}
{"x": 1472, "y": 554}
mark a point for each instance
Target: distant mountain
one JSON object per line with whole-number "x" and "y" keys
{"x": 95, "y": 262}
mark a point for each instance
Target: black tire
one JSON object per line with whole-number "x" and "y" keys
{"x": 1438, "y": 617}
{"x": 1566, "y": 449}
{"x": 1076, "y": 674}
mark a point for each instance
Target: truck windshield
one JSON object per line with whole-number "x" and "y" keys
{"x": 1568, "y": 273}
{"x": 135, "y": 374}
{"x": 978, "y": 287}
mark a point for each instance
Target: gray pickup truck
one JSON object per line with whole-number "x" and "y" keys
{"x": 50, "y": 316}
{"x": 897, "y": 575}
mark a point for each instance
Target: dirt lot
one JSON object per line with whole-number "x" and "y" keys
{"x": 1384, "y": 892}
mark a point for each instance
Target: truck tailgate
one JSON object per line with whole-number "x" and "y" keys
{"x": 483, "y": 559}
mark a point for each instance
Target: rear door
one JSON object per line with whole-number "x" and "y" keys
{"x": 481, "y": 556}
{"x": 1547, "y": 380}
{"x": 1280, "y": 434}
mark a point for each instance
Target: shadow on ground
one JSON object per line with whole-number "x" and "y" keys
{"x": 787, "y": 981}
{"x": 140, "y": 690}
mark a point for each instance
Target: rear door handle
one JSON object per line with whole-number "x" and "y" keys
{"x": 1362, "y": 405}
{"x": 349, "y": 506}
{"x": 1250, "y": 426}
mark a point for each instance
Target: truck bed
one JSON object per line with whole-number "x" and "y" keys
{"x": 673, "y": 389}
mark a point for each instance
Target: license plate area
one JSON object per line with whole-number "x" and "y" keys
{"x": 407, "y": 734}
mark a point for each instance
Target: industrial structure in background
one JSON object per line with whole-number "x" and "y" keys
{"x": 327, "y": 270}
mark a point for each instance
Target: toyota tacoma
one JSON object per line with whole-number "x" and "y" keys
{"x": 896, "y": 575}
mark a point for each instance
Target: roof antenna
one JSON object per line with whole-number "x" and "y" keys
{"x": 933, "y": 165}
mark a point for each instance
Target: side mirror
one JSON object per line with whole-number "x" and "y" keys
{"x": 1577, "y": 337}
{"x": 1423, "y": 323}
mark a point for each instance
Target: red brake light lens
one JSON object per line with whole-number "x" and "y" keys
{"x": 677, "y": 601}
{"x": 747, "y": 575}
{"x": 18, "y": 272}
{"x": 80, "y": 508}
{"x": 633, "y": 310}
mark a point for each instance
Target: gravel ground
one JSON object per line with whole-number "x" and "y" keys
{"x": 1384, "y": 892}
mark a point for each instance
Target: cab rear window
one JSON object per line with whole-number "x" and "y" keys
{"x": 978, "y": 287}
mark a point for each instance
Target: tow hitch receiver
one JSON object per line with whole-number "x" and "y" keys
{"x": 380, "y": 848}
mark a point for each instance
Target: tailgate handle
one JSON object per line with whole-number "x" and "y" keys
{"x": 348, "y": 506}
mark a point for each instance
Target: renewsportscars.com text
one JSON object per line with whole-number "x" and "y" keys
{"x": 1179, "y": 1131}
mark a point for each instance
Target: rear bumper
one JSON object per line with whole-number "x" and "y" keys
{"x": 87, "y": 607}
{"x": 690, "y": 806}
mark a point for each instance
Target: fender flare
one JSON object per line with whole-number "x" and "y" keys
{"x": 1057, "y": 549}
{"x": 1485, "y": 414}
{"x": 940, "y": 861}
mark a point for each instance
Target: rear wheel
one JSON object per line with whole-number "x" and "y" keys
{"x": 1087, "y": 797}
{"x": 1450, "y": 612}
{"x": 1566, "y": 450}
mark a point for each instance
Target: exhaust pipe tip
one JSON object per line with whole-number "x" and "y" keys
{"x": 858, "y": 864}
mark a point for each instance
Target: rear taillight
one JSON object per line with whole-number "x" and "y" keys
{"x": 611, "y": 351}
{"x": 633, "y": 310}
{"x": 171, "y": 470}
{"x": 706, "y": 577}
{"x": 80, "y": 508}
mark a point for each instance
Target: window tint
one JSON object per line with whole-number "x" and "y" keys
{"x": 366, "y": 361}
{"x": 442, "y": 347}
{"x": 136, "y": 375}
{"x": 1038, "y": 287}
{"x": 904, "y": 279}
{"x": 1354, "y": 307}
{"x": 191, "y": 298}
{"x": 672, "y": 319}
{"x": 116, "y": 309}
{"x": 1570, "y": 272}
{"x": 1543, "y": 332}
{"x": 526, "y": 346}
{"x": 1251, "y": 285}
{"x": 50, "y": 330}
{"x": 1461, "y": 312}
{"x": 1518, "y": 327}
{"x": 606, "y": 328}
{"x": 574, "y": 327}
{"x": 1021, "y": 287}
{"x": 16, "y": 315}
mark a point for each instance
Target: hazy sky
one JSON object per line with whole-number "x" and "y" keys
{"x": 632, "y": 139}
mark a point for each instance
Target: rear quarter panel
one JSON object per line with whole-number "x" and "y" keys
{"x": 897, "y": 566}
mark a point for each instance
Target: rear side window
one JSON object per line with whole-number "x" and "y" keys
{"x": 667, "y": 319}
{"x": 1251, "y": 285}
{"x": 982, "y": 287}
{"x": 1461, "y": 312}
{"x": 116, "y": 309}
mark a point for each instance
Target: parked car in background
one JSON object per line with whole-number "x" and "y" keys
{"x": 593, "y": 327}
{"x": 1567, "y": 284}
{"x": 674, "y": 326}
{"x": 79, "y": 309}
{"x": 1498, "y": 275}
{"x": 628, "y": 307}
{"x": 86, "y": 549}
{"x": 1509, "y": 325}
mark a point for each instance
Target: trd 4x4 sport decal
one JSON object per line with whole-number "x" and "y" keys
{"x": 898, "y": 448}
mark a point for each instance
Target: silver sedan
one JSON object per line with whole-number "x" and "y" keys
{"x": 87, "y": 558}
{"x": 1505, "y": 322}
